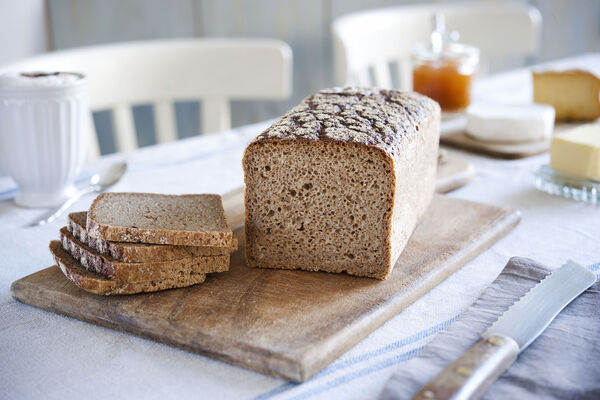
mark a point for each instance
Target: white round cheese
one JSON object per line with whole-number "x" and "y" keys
{"x": 510, "y": 123}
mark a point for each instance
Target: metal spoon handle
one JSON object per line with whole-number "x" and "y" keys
{"x": 54, "y": 213}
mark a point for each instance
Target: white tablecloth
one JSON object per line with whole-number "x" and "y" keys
{"x": 44, "y": 355}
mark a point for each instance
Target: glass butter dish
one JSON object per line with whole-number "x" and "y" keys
{"x": 581, "y": 189}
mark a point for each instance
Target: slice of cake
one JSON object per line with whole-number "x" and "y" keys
{"x": 574, "y": 94}
{"x": 339, "y": 183}
{"x": 186, "y": 220}
{"x": 577, "y": 151}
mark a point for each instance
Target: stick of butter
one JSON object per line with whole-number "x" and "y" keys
{"x": 577, "y": 151}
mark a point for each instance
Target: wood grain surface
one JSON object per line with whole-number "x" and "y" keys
{"x": 453, "y": 172}
{"x": 509, "y": 151}
{"x": 284, "y": 323}
{"x": 473, "y": 373}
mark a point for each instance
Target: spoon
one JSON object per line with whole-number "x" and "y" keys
{"x": 99, "y": 182}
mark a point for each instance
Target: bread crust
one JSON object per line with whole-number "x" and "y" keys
{"x": 139, "y": 252}
{"x": 139, "y": 272}
{"x": 98, "y": 284}
{"x": 375, "y": 118}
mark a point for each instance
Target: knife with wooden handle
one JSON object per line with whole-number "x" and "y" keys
{"x": 471, "y": 375}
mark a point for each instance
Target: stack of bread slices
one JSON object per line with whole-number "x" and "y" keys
{"x": 140, "y": 242}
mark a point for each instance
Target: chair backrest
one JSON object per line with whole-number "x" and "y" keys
{"x": 213, "y": 71}
{"x": 374, "y": 47}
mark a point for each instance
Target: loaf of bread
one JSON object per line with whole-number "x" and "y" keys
{"x": 185, "y": 220}
{"x": 339, "y": 183}
{"x": 574, "y": 94}
{"x": 139, "y": 252}
{"x": 95, "y": 283}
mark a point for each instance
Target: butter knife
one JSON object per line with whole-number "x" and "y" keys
{"x": 472, "y": 374}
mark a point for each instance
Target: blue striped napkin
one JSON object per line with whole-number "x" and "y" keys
{"x": 563, "y": 363}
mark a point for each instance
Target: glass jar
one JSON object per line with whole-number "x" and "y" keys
{"x": 445, "y": 73}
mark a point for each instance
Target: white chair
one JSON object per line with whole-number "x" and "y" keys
{"x": 365, "y": 44}
{"x": 213, "y": 71}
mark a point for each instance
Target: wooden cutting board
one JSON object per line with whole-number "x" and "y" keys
{"x": 284, "y": 323}
{"x": 452, "y": 173}
{"x": 507, "y": 151}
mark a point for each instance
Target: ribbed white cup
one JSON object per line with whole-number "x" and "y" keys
{"x": 43, "y": 139}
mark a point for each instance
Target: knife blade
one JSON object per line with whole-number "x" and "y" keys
{"x": 471, "y": 375}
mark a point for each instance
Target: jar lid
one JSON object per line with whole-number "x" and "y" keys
{"x": 449, "y": 51}
{"x": 444, "y": 45}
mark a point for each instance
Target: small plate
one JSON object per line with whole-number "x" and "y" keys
{"x": 572, "y": 187}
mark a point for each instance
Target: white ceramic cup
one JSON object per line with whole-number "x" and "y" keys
{"x": 43, "y": 134}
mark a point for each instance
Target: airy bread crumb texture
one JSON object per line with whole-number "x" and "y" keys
{"x": 302, "y": 215}
{"x": 190, "y": 220}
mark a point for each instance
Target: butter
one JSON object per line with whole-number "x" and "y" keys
{"x": 577, "y": 151}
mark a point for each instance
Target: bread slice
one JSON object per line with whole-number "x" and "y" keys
{"x": 574, "y": 94}
{"x": 186, "y": 220}
{"x": 98, "y": 284}
{"x": 339, "y": 183}
{"x": 139, "y": 252}
{"x": 139, "y": 272}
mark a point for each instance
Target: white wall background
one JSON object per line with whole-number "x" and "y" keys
{"x": 23, "y": 29}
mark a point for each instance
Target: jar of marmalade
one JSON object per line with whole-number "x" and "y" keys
{"x": 444, "y": 70}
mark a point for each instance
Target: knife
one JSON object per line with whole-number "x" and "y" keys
{"x": 472, "y": 374}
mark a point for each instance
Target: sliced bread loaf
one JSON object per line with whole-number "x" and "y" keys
{"x": 98, "y": 284}
{"x": 140, "y": 272}
{"x": 139, "y": 252}
{"x": 186, "y": 220}
{"x": 339, "y": 183}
